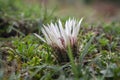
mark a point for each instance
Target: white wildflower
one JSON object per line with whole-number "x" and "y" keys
{"x": 59, "y": 35}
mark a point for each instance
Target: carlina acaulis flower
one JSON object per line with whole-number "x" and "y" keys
{"x": 60, "y": 36}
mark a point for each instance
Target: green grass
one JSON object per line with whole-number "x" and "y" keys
{"x": 19, "y": 17}
{"x": 98, "y": 58}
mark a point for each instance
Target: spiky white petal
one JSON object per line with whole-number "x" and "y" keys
{"x": 39, "y": 37}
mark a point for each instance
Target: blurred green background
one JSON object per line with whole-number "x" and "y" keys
{"x": 22, "y": 17}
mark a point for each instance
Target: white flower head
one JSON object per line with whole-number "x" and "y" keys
{"x": 59, "y": 35}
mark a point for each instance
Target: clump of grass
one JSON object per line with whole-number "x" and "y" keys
{"x": 21, "y": 18}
